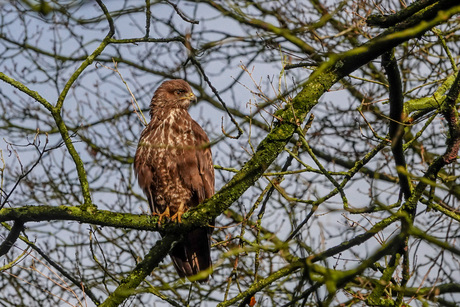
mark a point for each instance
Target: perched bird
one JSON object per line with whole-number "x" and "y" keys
{"x": 173, "y": 164}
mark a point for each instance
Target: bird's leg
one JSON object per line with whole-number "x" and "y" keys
{"x": 179, "y": 213}
{"x": 164, "y": 214}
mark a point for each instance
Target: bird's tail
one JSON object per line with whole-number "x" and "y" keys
{"x": 193, "y": 254}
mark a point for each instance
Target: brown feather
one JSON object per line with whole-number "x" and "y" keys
{"x": 173, "y": 164}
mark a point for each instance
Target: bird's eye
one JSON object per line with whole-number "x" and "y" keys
{"x": 178, "y": 92}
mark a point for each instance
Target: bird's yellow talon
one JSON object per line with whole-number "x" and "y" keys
{"x": 164, "y": 214}
{"x": 178, "y": 216}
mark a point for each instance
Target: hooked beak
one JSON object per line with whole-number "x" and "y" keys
{"x": 192, "y": 98}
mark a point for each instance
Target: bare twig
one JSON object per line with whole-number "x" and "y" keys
{"x": 136, "y": 107}
{"x": 214, "y": 90}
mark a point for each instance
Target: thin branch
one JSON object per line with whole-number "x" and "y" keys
{"x": 26, "y": 173}
{"x": 148, "y": 15}
{"x": 88, "y": 60}
{"x": 181, "y": 14}
{"x": 214, "y": 90}
{"x": 61, "y": 270}
{"x": 136, "y": 107}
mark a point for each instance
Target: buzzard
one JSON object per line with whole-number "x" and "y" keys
{"x": 173, "y": 164}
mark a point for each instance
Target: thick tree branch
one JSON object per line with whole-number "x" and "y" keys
{"x": 76, "y": 213}
{"x": 15, "y": 231}
{"x": 451, "y": 115}
{"x": 143, "y": 269}
{"x": 396, "y": 128}
{"x": 386, "y": 21}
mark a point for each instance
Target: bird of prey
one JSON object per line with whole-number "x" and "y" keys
{"x": 173, "y": 164}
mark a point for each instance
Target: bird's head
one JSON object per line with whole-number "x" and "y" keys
{"x": 175, "y": 93}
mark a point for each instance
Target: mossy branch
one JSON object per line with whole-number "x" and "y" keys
{"x": 254, "y": 288}
{"x": 76, "y": 213}
{"x": 432, "y": 102}
{"x": 33, "y": 94}
{"x": 378, "y": 293}
{"x": 129, "y": 284}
